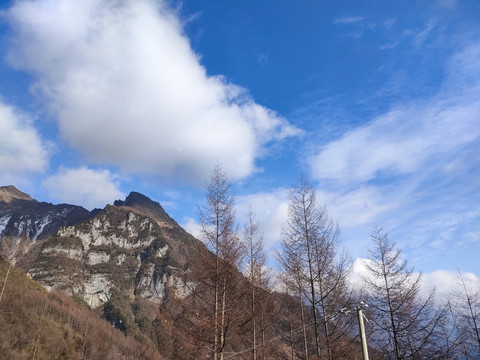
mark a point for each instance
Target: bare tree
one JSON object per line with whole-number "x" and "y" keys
{"x": 309, "y": 254}
{"x": 465, "y": 310}
{"x": 255, "y": 262}
{"x": 406, "y": 326}
{"x": 217, "y": 219}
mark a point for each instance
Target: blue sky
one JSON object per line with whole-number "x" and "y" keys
{"x": 377, "y": 102}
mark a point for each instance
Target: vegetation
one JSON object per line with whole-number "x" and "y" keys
{"x": 405, "y": 326}
{"x": 39, "y": 325}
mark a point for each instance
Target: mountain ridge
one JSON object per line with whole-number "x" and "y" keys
{"x": 21, "y": 216}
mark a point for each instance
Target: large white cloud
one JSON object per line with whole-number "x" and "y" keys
{"x": 127, "y": 89}
{"x": 21, "y": 147}
{"x": 83, "y": 186}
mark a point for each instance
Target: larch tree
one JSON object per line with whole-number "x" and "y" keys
{"x": 465, "y": 310}
{"x": 217, "y": 220}
{"x": 309, "y": 255}
{"x": 255, "y": 262}
{"x": 405, "y": 326}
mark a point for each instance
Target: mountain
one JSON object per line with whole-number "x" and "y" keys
{"x": 119, "y": 250}
{"x": 133, "y": 265}
{"x": 23, "y": 217}
{"x": 123, "y": 261}
{"x": 143, "y": 205}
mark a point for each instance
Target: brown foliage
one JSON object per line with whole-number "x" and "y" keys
{"x": 39, "y": 325}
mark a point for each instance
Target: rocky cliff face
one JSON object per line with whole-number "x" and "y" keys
{"x": 116, "y": 250}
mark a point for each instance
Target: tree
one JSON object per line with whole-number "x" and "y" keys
{"x": 405, "y": 325}
{"x": 255, "y": 262}
{"x": 465, "y": 310}
{"x": 309, "y": 256}
{"x": 217, "y": 220}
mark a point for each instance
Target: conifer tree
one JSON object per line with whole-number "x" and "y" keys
{"x": 217, "y": 219}
{"x": 310, "y": 258}
{"x": 405, "y": 326}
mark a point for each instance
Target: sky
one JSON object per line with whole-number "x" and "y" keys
{"x": 376, "y": 102}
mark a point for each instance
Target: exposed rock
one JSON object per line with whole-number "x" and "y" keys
{"x": 143, "y": 205}
{"x": 10, "y": 192}
{"x": 117, "y": 249}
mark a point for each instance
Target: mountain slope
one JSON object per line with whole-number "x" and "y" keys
{"x": 39, "y": 325}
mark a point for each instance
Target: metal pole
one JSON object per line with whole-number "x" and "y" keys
{"x": 362, "y": 333}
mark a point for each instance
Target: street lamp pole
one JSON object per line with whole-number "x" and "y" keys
{"x": 362, "y": 333}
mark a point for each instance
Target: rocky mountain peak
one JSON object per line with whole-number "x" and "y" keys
{"x": 10, "y": 192}
{"x": 143, "y": 205}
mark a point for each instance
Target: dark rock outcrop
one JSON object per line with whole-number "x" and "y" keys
{"x": 23, "y": 217}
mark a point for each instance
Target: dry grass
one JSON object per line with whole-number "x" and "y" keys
{"x": 39, "y": 325}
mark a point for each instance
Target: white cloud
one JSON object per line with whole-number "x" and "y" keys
{"x": 271, "y": 211}
{"x": 21, "y": 148}
{"x": 447, "y": 283}
{"x": 192, "y": 227}
{"x": 83, "y": 186}
{"x": 400, "y": 141}
{"x": 348, "y": 19}
{"x": 128, "y": 90}
{"x": 350, "y": 210}
{"x": 356, "y": 207}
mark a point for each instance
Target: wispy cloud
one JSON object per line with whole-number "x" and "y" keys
{"x": 388, "y": 46}
{"x": 348, "y": 19}
{"x": 420, "y": 37}
{"x": 449, "y": 4}
{"x": 263, "y": 59}
{"x": 412, "y": 169}
{"x": 400, "y": 141}
{"x": 357, "y": 207}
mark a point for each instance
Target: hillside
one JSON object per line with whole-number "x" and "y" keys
{"x": 36, "y": 324}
